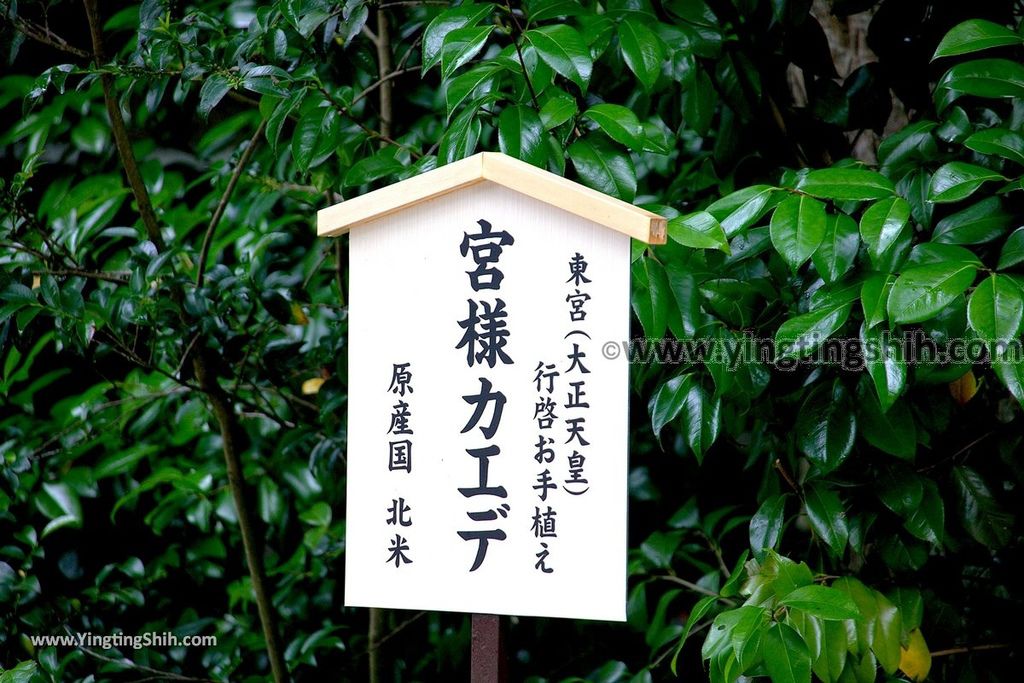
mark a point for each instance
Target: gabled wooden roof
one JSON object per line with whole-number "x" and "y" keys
{"x": 506, "y": 171}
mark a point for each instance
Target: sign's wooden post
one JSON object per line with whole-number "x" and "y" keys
{"x": 488, "y": 395}
{"x": 488, "y": 662}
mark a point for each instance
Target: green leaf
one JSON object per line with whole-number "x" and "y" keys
{"x": 802, "y": 334}
{"x": 559, "y": 108}
{"x": 702, "y": 607}
{"x": 885, "y": 365}
{"x": 460, "y": 46}
{"x": 886, "y": 632}
{"x": 700, "y": 415}
{"x": 699, "y": 230}
{"x": 975, "y": 35}
{"x": 563, "y": 49}
{"x": 739, "y": 210}
{"x": 604, "y": 168}
{"x": 666, "y": 403}
{"x": 927, "y": 520}
{"x": 834, "y": 256}
{"x": 978, "y": 223}
{"x": 797, "y": 228}
{"x": 891, "y": 431}
{"x": 461, "y": 137}
{"x": 981, "y": 515}
{"x": 958, "y": 180}
{"x": 212, "y": 92}
{"x": 521, "y": 135}
{"x": 651, "y": 296}
{"x": 834, "y": 647}
{"x": 922, "y": 291}
{"x": 1001, "y": 142}
{"x": 786, "y": 656}
{"x": 846, "y": 183}
{"x": 465, "y": 85}
{"x": 1012, "y": 253}
{"x": 882, "y": 223}
{"x": 60, "y": 503}
{"x": 826, "y": 427}
{"x": 874, "y": 294}
{"x": 618, "y": 123}
{"x": 996, "y": 310}
{"x": 827, "y": 517}
{"x": 371, "y": 168}
{"x": 642, "y": 51}
{"x": 993, "y": 78}
{"x": 766, "y": 524}
{"x": 825, "y": 603}
{"x": 1009, "y": 367}
{"x": 446, "y": 22}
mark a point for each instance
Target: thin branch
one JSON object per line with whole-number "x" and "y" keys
{"x": 381, "y": 81}
{"x": 118, "y": 277}
{"x": 522, "y": 62}
{"x": 121, "y": 140}
{"x": 155, "y": 674}
{"x": 218, "y": 213}
{"x": 398, "y": 629}
{"x": 966, "y": 649}
{"x": 689, "y": 585}
{"x": 43, "y": 34}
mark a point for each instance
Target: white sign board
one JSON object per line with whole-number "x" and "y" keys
{"x": 487, "y": 433}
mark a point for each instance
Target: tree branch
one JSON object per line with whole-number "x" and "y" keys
{"x": 229, "y": 431}
{"x": 218, "y": 213}
{"x": 123, "y": 144}
{"x": 43, "y": 34}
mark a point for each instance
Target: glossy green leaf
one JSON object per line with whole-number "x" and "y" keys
{"x": 798, "y": 228}
{"x": 823, "y": 602}
{"x": 766, "y": 524}
{"x": 996, "y": 309}
{"x": 922, "y": 291}
{"x": 981, "y": 515}
{"x": 826, "y": 427}
{"x": 1001, "y": 142}
{"x": 891, "y": 431}
{"x": 604, "y": 168}
{"x": 846, "y": 183}
{"x": 978, "y": 223}
{"x": 563, "y": 49}
{"x": 885, "y": 364}
{"x": 699, "y": 230}
{"x": 437, "y": 30}
{"x": 834, "y": 256}
{"x": 700, "y": 416}
{"x": 666, "y": 403}
{"x": 802, "y": 334}
{"x": 462, "y": 45}
{"x": 958, "y": 180}
{"x": 558, "y": 109}
{"x": 618, "y": 123}
{"x": 642, "y": 51}
{"x": 827, "y": 517}
{"x": 993, "y": 78}
{"x": 874, "y": 295}
{"x": 739, "y": 210}
{"x": 786, "y": 656}
{"x": 521, "y": 135}
{"x": 974, "y": 35}
{"x": 1012, "y": 253}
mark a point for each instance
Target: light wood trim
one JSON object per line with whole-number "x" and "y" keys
{"x": 577, "y": 199}
{"x": 508, "y": 172}
{"x": 340, "y": 218}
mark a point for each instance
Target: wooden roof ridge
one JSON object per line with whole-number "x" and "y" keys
{"x": 506, "y": 171}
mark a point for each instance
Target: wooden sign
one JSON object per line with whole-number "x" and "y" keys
{"x": 487, "y": 433}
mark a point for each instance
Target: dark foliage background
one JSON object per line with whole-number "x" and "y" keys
{"x": 170, "y": 326}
